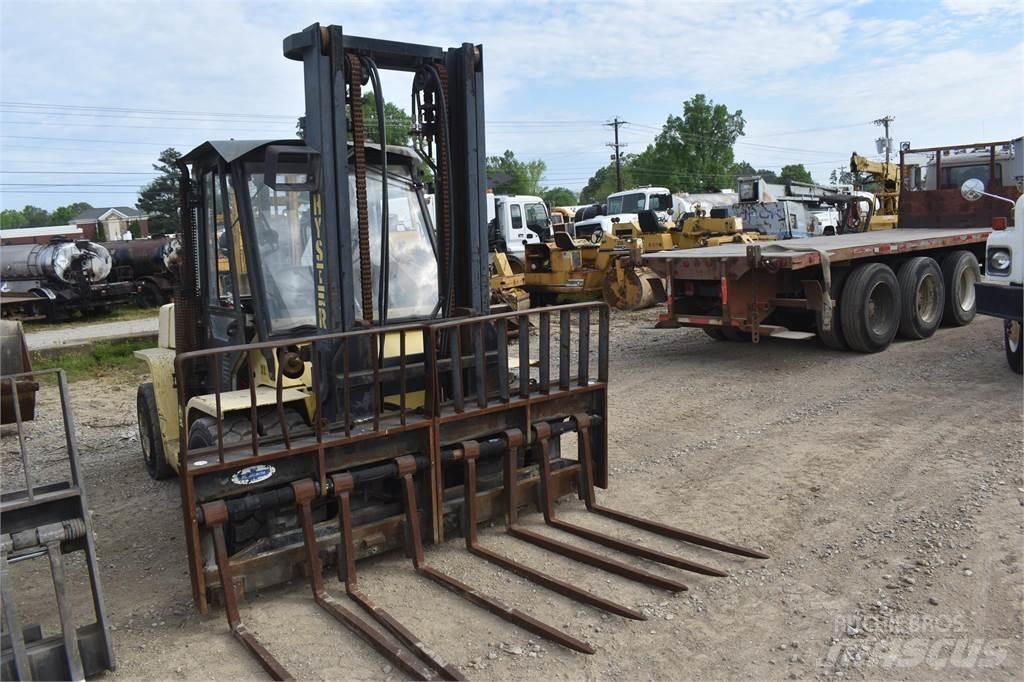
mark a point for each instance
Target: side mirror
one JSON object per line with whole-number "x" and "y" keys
{"x": 972, "y": 189}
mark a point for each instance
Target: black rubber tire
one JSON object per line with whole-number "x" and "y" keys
{"x": 870, "y": 311}
{"x": 149, "y": 296}
{"x": 1013, "y": 350}
{"x": 715, "y": 333}
{"x": 833, "y": 338}
{"x": 734, "y": 334}
{"x": 959, "y": 273}
{"x": 922, "y": 297}
{"x": 237, "y": 428}
{"x": 149, "y": 434}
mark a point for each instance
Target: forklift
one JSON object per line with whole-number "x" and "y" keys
{"x": 330, "y": 382}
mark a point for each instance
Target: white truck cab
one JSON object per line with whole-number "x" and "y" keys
{"x": 518, "y": 220}
{"x": 1000, "y": 293}
{"x": 624, "y": 206}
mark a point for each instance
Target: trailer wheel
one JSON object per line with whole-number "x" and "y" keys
{"x": 150, "y": 436}
{"x": 959, "y": 274}
{"x": 922, "y": 297}
{"x": 870, "y": 311}
{"x": 714, "y": 332}
{"x": 149, "y": 296}
{"x": 1012, "y": 343}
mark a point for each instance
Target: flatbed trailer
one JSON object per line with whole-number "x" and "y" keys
{"x": 881, "y": 283}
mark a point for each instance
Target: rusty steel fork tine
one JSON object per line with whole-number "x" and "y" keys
{"x": 343, "y": 484}
{"x": 589, "y": 498}
{"x": 67, "y": 625}
{"x": 22, "y": 668}
{"x": 406, "y": 466}
{"x": 215, "y": 514}
{"x": 470, "y": 453}
{"x": 584, "y": 556}
{"x": 305, "y": 491}
{"x": 543, "y": 435}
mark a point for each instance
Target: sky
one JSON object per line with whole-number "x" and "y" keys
{"x": 92, "y": 91}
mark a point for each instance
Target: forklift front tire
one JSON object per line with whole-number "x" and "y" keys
{"x": 149, "y": 434}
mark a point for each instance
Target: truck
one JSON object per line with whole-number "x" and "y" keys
{"x": 624, "y": 207}
{"x": 999, "y": 293}
{"x": 854, "y": 291}
{"x": 515, "y": 220}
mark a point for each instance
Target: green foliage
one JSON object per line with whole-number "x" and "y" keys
{"x": 559, "y": 196}
{"x": 508, "y": 175}
{"x": 159, "y": 198}
{"x": 603, "y": 182}
{"x": 693, "y": 152}
{"x": 104, "y": 358}
{"x": 10, "y": 218}
{"x": 795, "y": 172}
{"x": 65, "y": 214}
{"x": 33, "y": 216}
{"x": 397, "y": 123}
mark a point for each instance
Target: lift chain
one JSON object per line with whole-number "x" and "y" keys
{"x": 355, "y": 101}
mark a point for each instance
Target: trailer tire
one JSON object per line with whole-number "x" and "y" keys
{"x": 149, "y": 296}
{"x": 149, "y": 434}
{"x": 870, "y": 311}
{"x": 734, "y": 334}
{"x": 1013, "y": 343}
{"x": 922, "y": 295}
{"x": 959, "y": 273}
{"x": 715, "y": 333}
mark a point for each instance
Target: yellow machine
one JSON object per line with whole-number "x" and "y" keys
{"x": 885, "y": 185}
{"x": 507, "y": 281}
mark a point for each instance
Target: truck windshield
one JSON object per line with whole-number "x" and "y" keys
{"x": 627, "y": 203}
{"x": 660, "y": 202}
{"x": 412, "y": 272}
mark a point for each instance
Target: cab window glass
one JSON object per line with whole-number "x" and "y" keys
{"x": 517, "y": 217}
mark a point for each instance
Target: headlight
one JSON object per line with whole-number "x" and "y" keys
{"x": 999, "y": 261}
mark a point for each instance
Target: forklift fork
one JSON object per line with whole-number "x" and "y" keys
{"x": 583, "y": 423}
{"x": 406, "y": 468}
{"x": 470, "y": 454}
{"x": 585, "y": 556}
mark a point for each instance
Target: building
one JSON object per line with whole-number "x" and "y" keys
{"x": 110, "y": 223}
{"x": 39, "y": 235}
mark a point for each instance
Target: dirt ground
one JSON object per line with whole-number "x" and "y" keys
{"x": 886, "y": 488}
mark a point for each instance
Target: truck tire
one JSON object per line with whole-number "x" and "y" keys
{"x": 149, "y": 434}
{"x": 922, "y": 297}
{"x": 1012, "y": 342}
{"x": 870, "y": 309}
{"x": 959, "y": 273}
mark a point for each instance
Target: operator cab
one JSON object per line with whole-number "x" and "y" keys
{"x": 257, "y": 251}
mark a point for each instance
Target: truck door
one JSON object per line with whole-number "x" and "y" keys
{"x": 538, "y": 222}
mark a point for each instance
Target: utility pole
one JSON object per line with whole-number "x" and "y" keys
{"x": 884, "y": 122}
{"x": 618, "y": 155}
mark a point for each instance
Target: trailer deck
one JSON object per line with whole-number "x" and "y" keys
{"x": 797, "y": 254}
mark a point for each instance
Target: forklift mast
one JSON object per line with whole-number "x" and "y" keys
{"x": 448, "y": 132}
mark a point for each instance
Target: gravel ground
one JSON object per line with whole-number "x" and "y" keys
{"x": 887, "y": 489}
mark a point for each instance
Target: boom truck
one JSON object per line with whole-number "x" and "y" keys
{"x": 853, "y": 291}
{"x": 340, "y": 388}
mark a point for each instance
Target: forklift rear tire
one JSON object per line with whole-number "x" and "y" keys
{"x": 870, "y": 308}
{"x": 149, "y": 434}
{"x": 923, "y": 297}
{"x": 959, "y": 273}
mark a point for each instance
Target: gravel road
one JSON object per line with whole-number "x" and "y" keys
{"x": 887, "y": 489}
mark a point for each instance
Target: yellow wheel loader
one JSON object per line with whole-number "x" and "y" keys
{"x": 343, "y": 389}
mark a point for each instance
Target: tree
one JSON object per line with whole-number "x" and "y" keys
{"x": 35, "y": 216}
{"x": 795, "y": 172}
{"x": 159, "y": 199}
{"x": 693, "y": 152}
{"x": 11, "y": 218}
{"x": 559, "y": 196}
{"x": 65, "y": 214}
{"x": 508, "y": 175}
{"x": 603, "y": 182}
{"x": 397, "y": 123}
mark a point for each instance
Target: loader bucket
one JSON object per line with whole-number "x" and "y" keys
{"x": 408, "y": 434}
{"x": 48, "y": 518}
